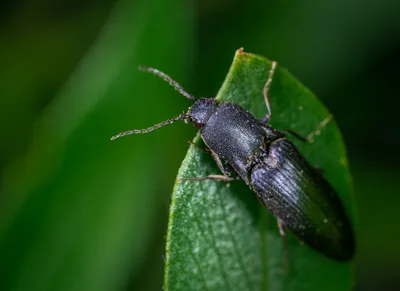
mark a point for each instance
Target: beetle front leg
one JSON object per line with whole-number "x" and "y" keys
{"x": 204, "y": 150}
{"x": 267, "y": 117}
{"x": 227, "y": 170}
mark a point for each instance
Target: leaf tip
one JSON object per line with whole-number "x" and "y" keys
{"x": 241, "y": 51}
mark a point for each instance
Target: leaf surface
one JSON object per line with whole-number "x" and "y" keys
{"x": 219, "y": 236}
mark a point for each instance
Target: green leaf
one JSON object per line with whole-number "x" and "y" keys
{"x": 219, "y": 236}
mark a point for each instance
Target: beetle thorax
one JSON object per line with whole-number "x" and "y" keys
{"x": 201, "y": 111}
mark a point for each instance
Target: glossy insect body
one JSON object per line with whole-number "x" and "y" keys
{"x": 302, "y": 199}
{"x": 284, "y": 182}
{"x": 273, "y": 168}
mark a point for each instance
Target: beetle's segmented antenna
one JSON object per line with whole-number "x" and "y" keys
{"x": 154, "y": 127}
{"x": 167, "y": 78}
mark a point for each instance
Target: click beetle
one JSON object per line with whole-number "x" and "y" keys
{"x": 294, "y": 191}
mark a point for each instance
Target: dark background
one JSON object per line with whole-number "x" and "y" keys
{"x": 79, "y": 212}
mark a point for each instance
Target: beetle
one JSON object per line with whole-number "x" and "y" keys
{"x": 294, "y": 191}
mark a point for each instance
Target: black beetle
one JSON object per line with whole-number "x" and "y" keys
{"x": 293, "y": 190}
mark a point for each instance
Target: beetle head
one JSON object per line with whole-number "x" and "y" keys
{"x": 201, "y": 111}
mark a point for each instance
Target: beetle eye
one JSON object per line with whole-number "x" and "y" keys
{"x": 198, "y": 125}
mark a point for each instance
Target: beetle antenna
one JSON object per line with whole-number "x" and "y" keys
{"x": 154, "y": 127}
{"x": 167, "y": 78}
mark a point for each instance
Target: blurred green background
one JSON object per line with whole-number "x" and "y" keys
{"x": 79, "y": 212}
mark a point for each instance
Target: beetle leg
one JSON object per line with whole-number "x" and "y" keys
{"x": 226, "y": 169}
{"x": 310, "y": 137}
{"x": 222, "y": 178}
{"x": 319, "y": 169}
{"x": 205, "y": 150}
{"x": 317, "y": 131}
{"x": 297, "y": 135}
{"x": 266, "y": 118}
{"x": 281, "y": 227}
{"x": 282, "y": 232}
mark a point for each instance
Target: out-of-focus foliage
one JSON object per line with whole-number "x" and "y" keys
{"x": 76, "y": 213}
{"x": 79, "y": 212}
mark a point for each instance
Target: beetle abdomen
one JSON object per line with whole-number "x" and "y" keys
{"x": 297, "y": 194}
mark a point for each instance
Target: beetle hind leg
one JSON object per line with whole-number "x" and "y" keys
{"x": 285, "y": 253}
{"x": 281, "y": 227}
